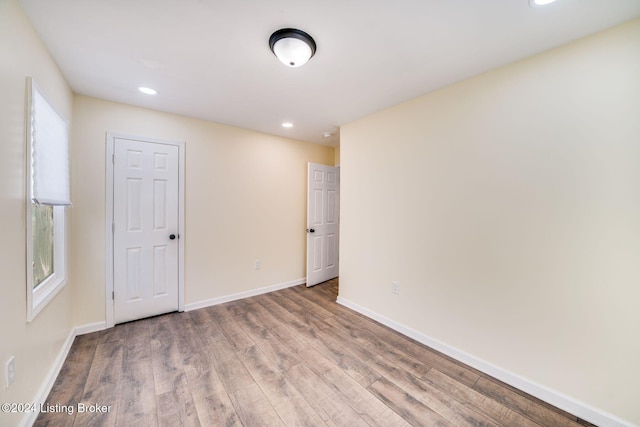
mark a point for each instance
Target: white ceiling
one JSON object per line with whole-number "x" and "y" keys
{"x": 210, "y": 59}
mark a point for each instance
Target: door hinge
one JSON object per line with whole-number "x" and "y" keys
{"x": 113, "y": 295}
{"x": 113, "y": 227}
{"x": 113, "y": 159}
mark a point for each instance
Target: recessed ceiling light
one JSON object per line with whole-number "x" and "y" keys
{"x": 326, "y": 134}
{"x": 287, "y": 125}
{"x": 538, "y": 3}
{"x": 147, "y": 90}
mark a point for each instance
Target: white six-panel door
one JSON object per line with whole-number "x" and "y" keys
{"x": 323, "y": 207}
{"x": 145, "y": 237}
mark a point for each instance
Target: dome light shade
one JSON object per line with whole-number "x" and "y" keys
{"x": 292, "y": 47}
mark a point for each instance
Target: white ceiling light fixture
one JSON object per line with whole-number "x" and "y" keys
{"x": 287, "y": 125}
{"x": 147, "y": 90}
{"x": 292, "y": 47}
{"x": 540, "y": 3}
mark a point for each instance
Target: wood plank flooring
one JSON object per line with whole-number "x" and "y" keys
{"x": 289, "y": 358}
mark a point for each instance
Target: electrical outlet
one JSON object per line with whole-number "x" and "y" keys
{"x": 395, "y": 288}
{"x": 257, "y": 264}
{"x": 10, "y": 371}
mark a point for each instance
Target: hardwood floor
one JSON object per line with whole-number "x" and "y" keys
{"x": 292, "y": 357}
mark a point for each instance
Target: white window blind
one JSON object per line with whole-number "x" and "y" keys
{"x": 50, "y": 153}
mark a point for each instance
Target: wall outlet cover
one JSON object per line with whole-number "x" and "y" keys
{"x": 395, "y": 288}
{"x": 10, "y": 371}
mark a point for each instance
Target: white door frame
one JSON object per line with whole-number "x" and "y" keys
{"x": 323, "y": 276}
{"x": 110, "y": 141}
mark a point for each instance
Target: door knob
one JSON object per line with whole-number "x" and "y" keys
{"x": 172, "y": 236}
{"x": 310, "y": 230}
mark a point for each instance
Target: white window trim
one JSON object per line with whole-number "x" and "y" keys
{"x": 38, "y": 298}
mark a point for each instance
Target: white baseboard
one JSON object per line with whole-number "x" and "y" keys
{"x": 47, "y": 384}
{"x": 30, "y": 417}
{"x": 555, "y": 398}
{"x": 89, "y": 328}
{"x": 564, "y": 402}
{"x": 241, "y": 295}
{"x": 50, "y": 379}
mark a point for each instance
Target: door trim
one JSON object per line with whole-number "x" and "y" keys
{"x": 310, "y": 166}
{"x": 110, "y": 150}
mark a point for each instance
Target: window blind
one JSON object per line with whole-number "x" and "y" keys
{"x": 49, "y": 153}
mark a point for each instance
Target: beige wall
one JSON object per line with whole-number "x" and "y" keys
{"x": 245, "y": 200}
{"x": 507, "y": 206}
{"x": 510, "y": 214}
{"x": 35, "y": 345}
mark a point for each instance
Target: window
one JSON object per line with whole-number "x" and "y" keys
{"x": 48, "y": 194}
{"x": 43, "y": 238}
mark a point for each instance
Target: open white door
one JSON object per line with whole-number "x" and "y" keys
{"x": 323, "y": 209}
{"x": 146, "y": 208}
